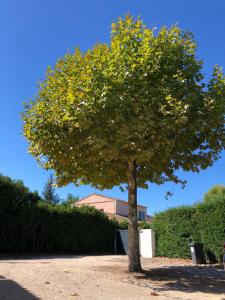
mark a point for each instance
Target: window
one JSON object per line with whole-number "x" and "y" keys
{"x": 141, "y": 215}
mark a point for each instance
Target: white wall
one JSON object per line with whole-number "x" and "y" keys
{"x": 147, "y": 242}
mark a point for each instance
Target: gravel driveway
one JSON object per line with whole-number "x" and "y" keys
{"x": 105, "y": 277}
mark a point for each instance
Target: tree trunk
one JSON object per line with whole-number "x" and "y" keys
{"x": 133, "y": 234}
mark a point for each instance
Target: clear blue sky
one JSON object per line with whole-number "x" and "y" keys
{"x": 35, "y": 33}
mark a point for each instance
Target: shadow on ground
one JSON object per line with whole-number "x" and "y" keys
{"x": 10, "y": 290}
{"x": 189, "y": 279}
{"x": 5, "y": 257}
{"x": 22, "y": 258}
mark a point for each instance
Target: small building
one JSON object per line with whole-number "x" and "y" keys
{"x": 113, "y": 207}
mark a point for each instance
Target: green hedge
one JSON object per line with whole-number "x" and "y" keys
{"x": 55, "y": 230}
{"x": 177, "y": 227}
{"x": 209, "y": 221}
{"x": 28, "y": 225}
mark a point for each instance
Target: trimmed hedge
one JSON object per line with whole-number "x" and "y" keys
{"x": 57, "y": 229}
{"x": 28, "y": 225}
{"x": 177, "y": 227}
{"x": 209, "y": 221}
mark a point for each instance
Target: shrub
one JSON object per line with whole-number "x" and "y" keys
{"x": 217, "y": 192}
{"x": 177, "y": 227}
{"x": 209, "y": 226}
{"x": 141, "y": 225}
{"x": 173, "y": 232}
{"x": 144, "y": 225}
{"x": 46, "y": 229}
{"x": 123, "y": 224}
{"x": 28, "y": 225}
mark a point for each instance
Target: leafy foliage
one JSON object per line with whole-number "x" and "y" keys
{"x": 209, "y": 224}
{"x": 15, "y": 195}
{"x": 142, "y": 97}
{"x": 70, "y": 199}
{"x": 144, "y": 225}
{"x": 177, "y": 227}
{"x": 141, "y": 225}
{"x": 217, "y": 192}
{"x": 123, "y": 224}
{"x": 174, "y": 232}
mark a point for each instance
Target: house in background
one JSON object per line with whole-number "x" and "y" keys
{"x": 113, "y": 207}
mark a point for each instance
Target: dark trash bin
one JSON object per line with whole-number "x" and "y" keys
{"x": 197, "y": 254}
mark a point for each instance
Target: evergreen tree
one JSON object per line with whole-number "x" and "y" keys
{"x": 49, "y": 194}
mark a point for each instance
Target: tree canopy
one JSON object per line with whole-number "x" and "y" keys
{"x": 142, "y": 97}
{"x": 14, "y": 194}
{"x": 216, "y": 193}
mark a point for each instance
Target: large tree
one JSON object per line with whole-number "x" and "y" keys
{"x": 129, "y": 113}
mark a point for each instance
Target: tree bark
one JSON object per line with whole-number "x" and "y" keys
{"x": 133, "y": 234}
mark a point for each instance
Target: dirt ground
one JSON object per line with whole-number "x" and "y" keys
{"x": 105, "y": 277}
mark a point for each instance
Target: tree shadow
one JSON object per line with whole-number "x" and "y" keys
{"x": 189, "y": 279}
{"x": 10, "y": 289}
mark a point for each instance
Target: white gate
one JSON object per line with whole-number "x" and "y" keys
{"x": 146, "y": 242}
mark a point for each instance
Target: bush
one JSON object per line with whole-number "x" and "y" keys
{"x": 46, "y": 229}
{"x": 29, "y": 225}
{"x": 141, "y": 225}
{"x": 173, "y": 231}
{"x": 177, "y": 227}
{"x": 123, "y": 224}
{"x": 144, "y": 225}
{"x": 216, "y": 193}
{"x": 209, "y": 222}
